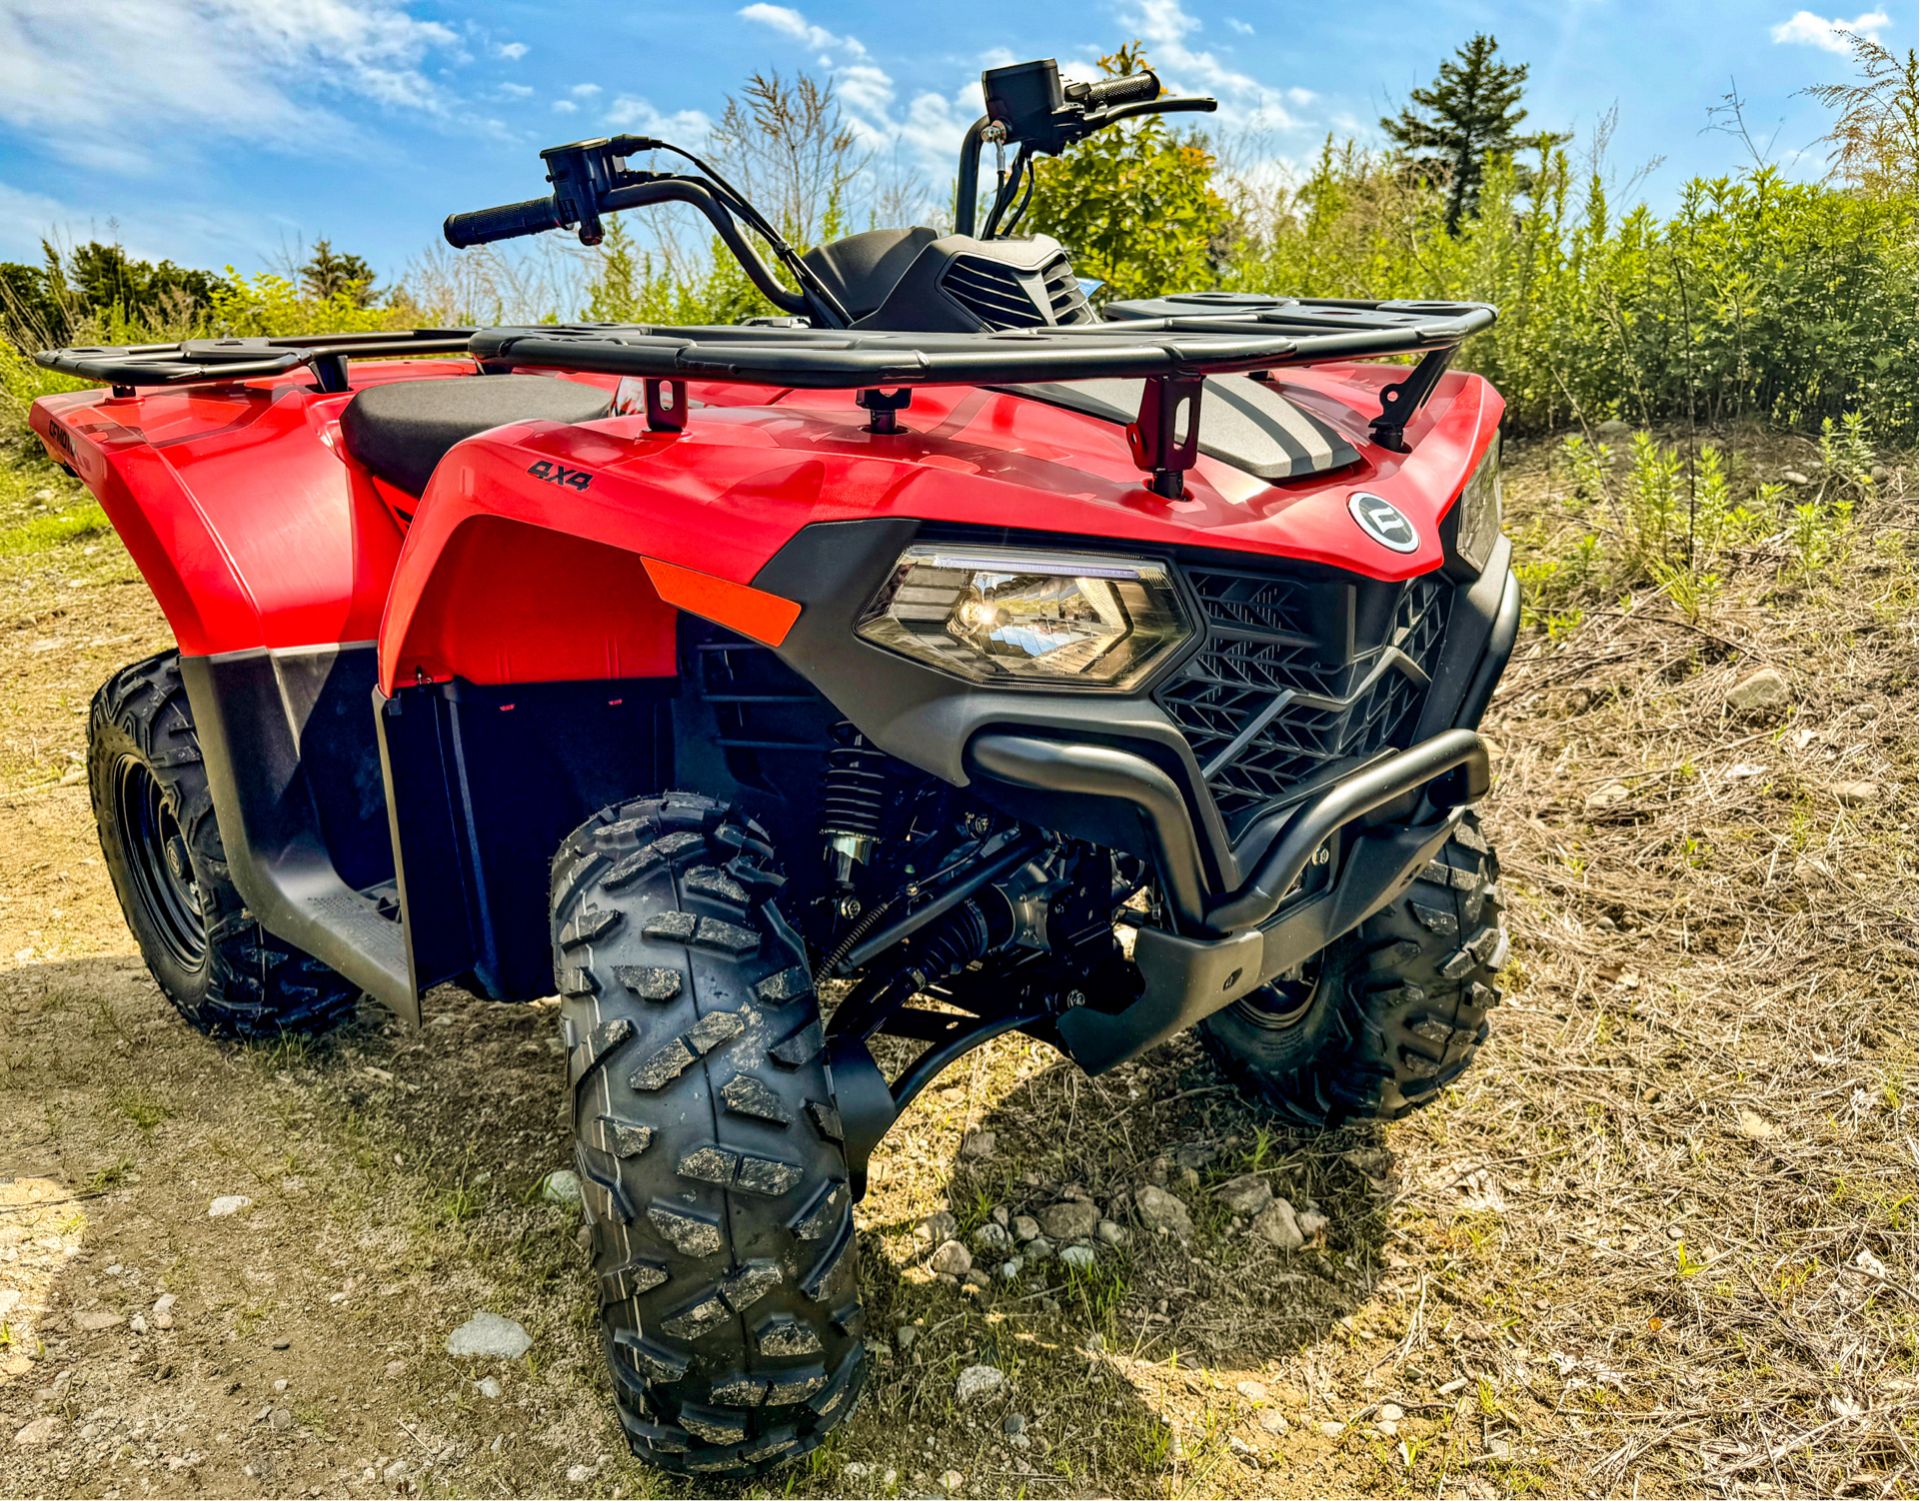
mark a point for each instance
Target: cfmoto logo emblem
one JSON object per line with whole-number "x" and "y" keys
{"x": 1381, "y": 520}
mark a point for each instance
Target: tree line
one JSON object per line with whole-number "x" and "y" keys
{"x": 1756, "y": 296}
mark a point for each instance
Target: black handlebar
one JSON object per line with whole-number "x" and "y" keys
{"x": 1027, "y": 106}
{"x": 507, "y": 222}
{"x": 1123, "y": 90}
{"x": 592, "y": 179}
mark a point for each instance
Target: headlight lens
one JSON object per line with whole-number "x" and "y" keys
{"x": 1477, "y": 512}
{"x": 1006, "y": 615}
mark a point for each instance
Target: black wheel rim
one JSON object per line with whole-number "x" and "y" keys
{"x": 1284, "y": 1003}
{"x": 156, "y": 849}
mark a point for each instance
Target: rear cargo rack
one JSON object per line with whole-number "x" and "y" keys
{"x": 126, "y": 367}
{"x": 1170, "y": 343}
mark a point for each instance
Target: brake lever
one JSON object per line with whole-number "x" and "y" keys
{"x": 1188, "y": 104}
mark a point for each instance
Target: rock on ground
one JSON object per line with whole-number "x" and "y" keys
{"x": 1610, "y": 796}
{"x": 993, "y": 1238}
{"x": 1070, "y": 1219}
{"x": 952, "y": 1258}
{"x": 979, "y": 1144}
{"x": 1160, "y": 1210}
{"x": 562, "y": 1186}
{"x": 227, "y": 1204}
{"x": 39, "y": 1433}
{"x": 1277, "y": 1226}
{"x": 1246, "y": 1195}
{"x": 1080, "y": 1258}
{"x": 978, "y": 1381}
{"x": 488, "y": 1336}
{"x": 1759, "y": 691}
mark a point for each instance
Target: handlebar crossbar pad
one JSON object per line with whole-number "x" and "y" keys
{"x": 508, "y": 221}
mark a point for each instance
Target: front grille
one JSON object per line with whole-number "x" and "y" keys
{"x": 1300, "y": 677}
{"x": 1002, "y": 296}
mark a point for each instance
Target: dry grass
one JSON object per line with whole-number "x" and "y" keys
{"x": 1659, "y": 1241}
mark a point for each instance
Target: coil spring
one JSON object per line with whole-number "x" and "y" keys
{"x": 853, "y": 793}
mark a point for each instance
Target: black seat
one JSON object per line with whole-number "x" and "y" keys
{"x": 402, "y": 430}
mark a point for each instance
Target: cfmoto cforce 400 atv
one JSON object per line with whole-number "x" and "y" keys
{"x": 994, "y": 663}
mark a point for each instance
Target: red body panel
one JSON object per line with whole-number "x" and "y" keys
{"x": 254, "y": 530}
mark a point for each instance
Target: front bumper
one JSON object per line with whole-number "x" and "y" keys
{"x": 1249, "y": 892}
{"x": 1341, "y": 856}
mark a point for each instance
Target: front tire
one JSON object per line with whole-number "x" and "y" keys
{"x": 223, "y": 972}
{"x": 1389, "y": 1015}
{"x": 706, "y": 1139}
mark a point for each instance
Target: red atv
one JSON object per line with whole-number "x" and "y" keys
{"x": 987, "y": 662}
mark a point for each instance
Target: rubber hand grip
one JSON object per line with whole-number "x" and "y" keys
{"x": 508, "y": 221}
{"x": 1111, "y": 91}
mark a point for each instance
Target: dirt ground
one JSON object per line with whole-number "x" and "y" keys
{"x": 1659, "y": 1241}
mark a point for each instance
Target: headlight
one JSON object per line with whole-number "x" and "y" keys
{"x": 1005, "y": 615}
{"x": 1476, "y": 514}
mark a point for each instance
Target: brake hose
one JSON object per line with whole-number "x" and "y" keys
{"x": 738, "y": 204}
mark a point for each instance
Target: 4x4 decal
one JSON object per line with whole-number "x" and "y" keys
{"x": 559, "y": 474}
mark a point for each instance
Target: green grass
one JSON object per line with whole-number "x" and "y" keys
{"x": 45, "y": 533}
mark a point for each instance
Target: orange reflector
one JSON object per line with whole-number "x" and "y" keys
{"x": 752, "y": 612}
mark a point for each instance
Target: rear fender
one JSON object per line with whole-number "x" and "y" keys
{"x": 236, "y": 508}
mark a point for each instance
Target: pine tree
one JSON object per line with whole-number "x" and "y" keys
{"x": 1471, "y": 109}
{"x": 330, "y": 273}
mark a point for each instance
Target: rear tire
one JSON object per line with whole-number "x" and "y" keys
{"x": 223, "y": 972}
{"x": 1389, "y": 1015}
{"x": 706, "y": 1139}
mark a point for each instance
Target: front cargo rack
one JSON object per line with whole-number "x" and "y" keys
{"x": 1170, "y": 343}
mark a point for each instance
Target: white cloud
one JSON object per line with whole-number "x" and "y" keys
{"x": 1805, "y": 29}
{"x": 1234, "y": 23}
{"x": 687, "y": 127}
{"x": 924, "y": 135}
{"x": 864, "y": 87}
{"x": 190, "y": 234}
{"x": 584, "y": 90}
{"x": 210, "y": 69}
{"x": 26, "y": 217}
{"x": 1246, "y": 104}
{"x": 511, "y": 51}
{"x": 565, "y": 107}
{"x": 516, "y": 90}
{"x": 789, "y": 22}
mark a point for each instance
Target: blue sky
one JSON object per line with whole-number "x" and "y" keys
{"x": 212, "y": 131}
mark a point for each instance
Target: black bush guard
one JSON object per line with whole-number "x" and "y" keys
{"x": 1223, "y": 944}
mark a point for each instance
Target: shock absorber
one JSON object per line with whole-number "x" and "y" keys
{"x": 853, "y": 800}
